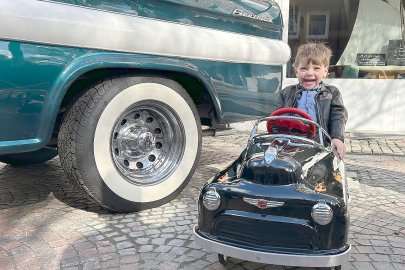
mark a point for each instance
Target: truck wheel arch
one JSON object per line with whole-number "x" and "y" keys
{"x": 74, "y": 88}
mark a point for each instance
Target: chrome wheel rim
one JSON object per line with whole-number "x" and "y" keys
{"x": 147, "y": 142}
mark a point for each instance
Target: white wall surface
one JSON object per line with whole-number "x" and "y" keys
{"x": 374, "y": 105}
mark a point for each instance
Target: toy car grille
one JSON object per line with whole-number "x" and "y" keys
{"x": 261, "y": 234}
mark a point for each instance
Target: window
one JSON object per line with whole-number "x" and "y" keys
{"x": 367, "y": 37}
{"x": 317, "y": 25}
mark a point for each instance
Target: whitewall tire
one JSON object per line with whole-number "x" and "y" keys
{"x": 131, "y": 143}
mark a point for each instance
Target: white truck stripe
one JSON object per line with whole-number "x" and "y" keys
{"x": 67, "y": 25}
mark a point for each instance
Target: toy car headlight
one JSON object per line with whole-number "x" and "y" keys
{"x": 211, "y": 199}
{"x": 322, "y": 213}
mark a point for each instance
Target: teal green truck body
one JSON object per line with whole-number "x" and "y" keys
{"x": 227, "y": 56}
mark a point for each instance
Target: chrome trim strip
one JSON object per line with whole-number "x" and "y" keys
{"x": 68, "y": 25}
{"x": 272, "y": 258}
{"x": 342, "y": 170}
{"x": 254, "y": 134}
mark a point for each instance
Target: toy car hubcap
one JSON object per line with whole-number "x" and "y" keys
{"x": 147, "y": 142}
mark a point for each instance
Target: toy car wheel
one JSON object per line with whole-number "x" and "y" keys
{"x": 131, "y": 143}
{"x": 29, "y": 158}
{"x": 223, "y": 259}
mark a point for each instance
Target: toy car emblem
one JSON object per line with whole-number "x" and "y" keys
{"x": 262, "y": 204}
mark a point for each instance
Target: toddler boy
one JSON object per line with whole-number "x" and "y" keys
{"x": 321, "y": 101}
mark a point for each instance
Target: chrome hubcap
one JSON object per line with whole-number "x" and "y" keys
{"x": 147, "y": 142}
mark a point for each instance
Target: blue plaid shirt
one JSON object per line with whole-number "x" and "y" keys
{"x": 307, "y": 102}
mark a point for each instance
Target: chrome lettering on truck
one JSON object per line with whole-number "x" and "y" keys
{"x": 241, "y": 13}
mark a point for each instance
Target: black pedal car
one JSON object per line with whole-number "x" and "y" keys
{"x": 284, "y": 201}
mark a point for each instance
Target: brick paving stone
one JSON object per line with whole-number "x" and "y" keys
{"x": 127, "y": 251}
{"x": 176, "y": 242}
{"x": 106, "y": 249}
{"x": 383, "y": 250}
{"x": 399, "y": 266}
{"x": 380, "y": 258}
{"x": 399, "y": 244}
{"x": 400, "y": 251}
{"x": 365, "y": 249}
{"x": 383, "y": 266}
{"x": 132, "y": 266}
{"x": 163, "y": 249}
{"x": 130, "y": 259}
{"x": 363, "y": 266}
{"x": 124, "y": 245}
{"x": 359, "y": 257}
{"x": 380, "y": 243}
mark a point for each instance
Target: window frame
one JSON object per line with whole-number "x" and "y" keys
{"x": 327, "y": 22}
{"x": 296, "y": 24}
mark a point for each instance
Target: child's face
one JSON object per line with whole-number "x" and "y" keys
{"x": 309, "y": 74}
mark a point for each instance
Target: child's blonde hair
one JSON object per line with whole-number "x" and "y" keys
{"x": 317, "y": 53}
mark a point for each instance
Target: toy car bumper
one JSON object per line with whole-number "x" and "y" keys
{"x": 304, "y": 260}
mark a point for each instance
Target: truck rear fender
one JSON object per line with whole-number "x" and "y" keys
{"x": 102, "y": 65}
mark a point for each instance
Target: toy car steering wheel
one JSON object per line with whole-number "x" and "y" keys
{"x": 291, "y": 126}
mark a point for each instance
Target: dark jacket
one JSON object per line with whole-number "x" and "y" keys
{"x": 331, "y": 113}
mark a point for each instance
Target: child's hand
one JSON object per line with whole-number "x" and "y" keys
{"x": 223, "y": 177}
{"x": 338, "y": 148}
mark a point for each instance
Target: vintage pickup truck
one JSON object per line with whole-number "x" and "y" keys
{"x": 120, "y": 89}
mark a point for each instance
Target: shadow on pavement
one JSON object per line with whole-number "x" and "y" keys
{"x": 28, "y": 185}
{"x": 385, "y": 172}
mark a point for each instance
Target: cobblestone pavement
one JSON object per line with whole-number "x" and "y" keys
{"x": 44, "y": 225}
